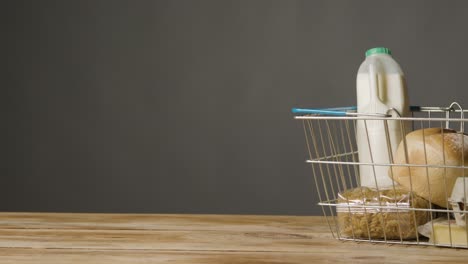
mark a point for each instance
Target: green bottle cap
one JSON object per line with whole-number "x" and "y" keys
{"x": 378, "y": 50}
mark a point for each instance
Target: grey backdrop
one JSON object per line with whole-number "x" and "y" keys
{"x": 183, "y": 106}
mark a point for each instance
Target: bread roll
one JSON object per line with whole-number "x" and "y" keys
{"x": 432, "y": 183}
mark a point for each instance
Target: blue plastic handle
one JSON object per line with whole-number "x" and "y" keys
{"x": 336, "y": 111}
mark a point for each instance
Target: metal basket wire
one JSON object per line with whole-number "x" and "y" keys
{"x": 330, "y": 136}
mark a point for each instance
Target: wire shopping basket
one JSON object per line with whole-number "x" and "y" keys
{"x": 424, "y": 205}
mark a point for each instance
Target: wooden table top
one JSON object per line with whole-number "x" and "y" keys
{"x": 208, "y": 239}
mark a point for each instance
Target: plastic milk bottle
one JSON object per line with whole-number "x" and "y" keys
{"x": 381, "y": 89}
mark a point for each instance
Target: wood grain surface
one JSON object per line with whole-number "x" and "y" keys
{"x": 150, "y": 238}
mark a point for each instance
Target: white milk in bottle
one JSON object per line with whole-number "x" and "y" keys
{"x": 381, "y": 86}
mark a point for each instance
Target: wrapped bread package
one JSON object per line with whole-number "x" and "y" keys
{"x": 385, "y": 214}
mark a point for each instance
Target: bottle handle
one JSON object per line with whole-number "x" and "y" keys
{"x": 373, "y": 85}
